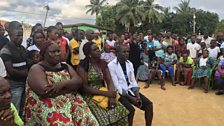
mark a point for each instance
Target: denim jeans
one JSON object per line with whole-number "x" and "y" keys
{"x": 170, "y": 69}
{"x": 18, "y": 98}
{"x": 219, "y": 83}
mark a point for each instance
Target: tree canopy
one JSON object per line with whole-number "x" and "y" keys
{"x": 142, "y": 15}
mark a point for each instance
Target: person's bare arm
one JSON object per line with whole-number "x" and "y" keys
{"x": 40, "y": 85}
{"x": 86, "y": 88}
{"x": 13, "y": 72}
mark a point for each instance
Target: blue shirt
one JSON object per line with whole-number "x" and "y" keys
{"x": 160, "y": 53}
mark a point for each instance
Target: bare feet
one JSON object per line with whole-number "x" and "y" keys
{"x": 191, "y": 87}
{"x": 163, "y": 88}
{"x": 182, "y": 83}
{"x": 146, "y": 86}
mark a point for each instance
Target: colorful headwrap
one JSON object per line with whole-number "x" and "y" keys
{"x": 44, "y": 47}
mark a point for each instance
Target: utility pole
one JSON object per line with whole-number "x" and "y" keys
{"x": 194, "y": 22}
{"x": 47, "y": 8}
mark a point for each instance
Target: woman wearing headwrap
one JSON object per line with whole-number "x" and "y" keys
{"x": 52, "y": 97}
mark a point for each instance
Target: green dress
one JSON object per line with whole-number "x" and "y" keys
{"x": 106, "y": 117}
{"x": 64, "y": 110}
{"x": 203, "y": 71}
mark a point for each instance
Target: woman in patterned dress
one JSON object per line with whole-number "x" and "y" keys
{"x": 94, "y": 72}
{"x": 52, "y": 98}
{"x": 203, "y": 66}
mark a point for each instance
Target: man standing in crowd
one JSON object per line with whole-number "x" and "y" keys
{"x": 89, "y": 38}
{"x": 64, "y": 42}
{"x": 135, "y": 51}
{"x": 15, "y": 59}
{"x": 219, "y": 38}
{"x": 206, "y": 39}
{"x": 3, "y": 39}
{"x": 74, "y": 48}
{"x": 193, "y": 48}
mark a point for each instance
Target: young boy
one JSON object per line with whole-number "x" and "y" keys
{"x": 214, "y": 49}
{"x": 8, "y": 113}
{"x": 154, "y": 70}
{"x": 185, "y": 68}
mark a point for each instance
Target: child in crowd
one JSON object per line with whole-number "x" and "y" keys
{"x": 203, "y": 47}
{"x": 214, "y": 49}
{"x": 185, "y": 68}
{"x": 154, "y": 70}
{"x": 168, "y": 64}
{"x": 222, "y": 56}
{"x": 219, "y": 77}
{"x": 181, "y": 47}
{"x": 142, "y": 72}
{"x": 108, "y": 55}
{"x": 203, "y": 66}
{"x": 8, "y": 113}
{"x": 34, "y": 57}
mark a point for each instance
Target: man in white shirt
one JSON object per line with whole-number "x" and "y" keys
{"x": 122, "y": 74}
{"x": 206, "y": 39}
{"x": 89, "y": 38}
{"x": 193, "y": 47}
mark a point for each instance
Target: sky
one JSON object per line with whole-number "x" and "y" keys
{"x": 74, "y": 11}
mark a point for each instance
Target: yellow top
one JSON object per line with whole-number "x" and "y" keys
{"x": 17, "y": 119}
{"x": 98, "y": 42}
{"x": 74, "y": 57}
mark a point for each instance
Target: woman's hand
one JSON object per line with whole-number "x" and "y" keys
{"x": 7, "y": 117}
{"x": 53, "y": 89}
{"x": 112, "y": 103}
{"x": 111, "y": 94}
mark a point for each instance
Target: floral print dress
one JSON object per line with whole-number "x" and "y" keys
{"x": 106, "y": 117}
{"x": 64, "y": 110}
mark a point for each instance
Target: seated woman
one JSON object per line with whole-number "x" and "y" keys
{"x": 142, "y": 72}
{"x": 51, "y": 97}
{"x": 169, "y": 60}
{"x": 202, "y": 70}
{"x": 8, "y": 113}
{"x": 185, "y": 68}
{"x": 219, "y": 77}
{"x": 94, "y": 73}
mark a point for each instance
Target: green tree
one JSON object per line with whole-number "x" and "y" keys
{"x": 183, "y": 7}
{"x": 152, "y": 12}
{"x": 206, "y": 21}
{"x": 168, "y": 18}
{"x": 220, "y": 27}
{"x": 129, "y": 12}
{"x": 95, "y": 6}
{"x": 103, "y": 20}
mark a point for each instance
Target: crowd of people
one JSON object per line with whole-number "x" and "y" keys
{"x": 84, "y": 79}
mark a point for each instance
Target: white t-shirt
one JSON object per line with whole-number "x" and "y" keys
{"x": 214, "y": 52}
{"x": 2, "y": 69}
{"x": 222, "y": 46}
{"x": 33, "y": 47}
{"x": 81, "y": 53}
{"x": 207, "y": 41}
{"x": 193, "y": 48}
{"x": 110, "y": 43}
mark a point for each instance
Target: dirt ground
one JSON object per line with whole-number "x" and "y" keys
{"x": 178, "y": 106}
